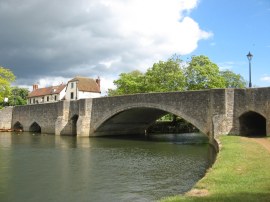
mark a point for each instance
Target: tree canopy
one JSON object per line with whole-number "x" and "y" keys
{"x": 201, "y": 73}
{"x": 6, "y": 78}
{"x": 176, "y": 75}
{"x": 18, "y": 96}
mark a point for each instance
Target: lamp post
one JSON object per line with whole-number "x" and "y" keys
{"x": 249, "y": 56}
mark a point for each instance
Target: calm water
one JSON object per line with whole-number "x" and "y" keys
{"x": 37, "y": 168}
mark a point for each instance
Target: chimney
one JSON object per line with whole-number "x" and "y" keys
{"x": 35, "y": 86}
{"x": 98, "y": 82}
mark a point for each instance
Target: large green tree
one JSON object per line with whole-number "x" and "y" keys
{"x": 201, "y": 73}
{"x": 6, "y": 78}
{"x": 165, "y": 77}
{"x": 129, "y": 83}
{"x": 18, "y": 96}
{"x": 175, "y": 75}
{"x": 161, "y": 77}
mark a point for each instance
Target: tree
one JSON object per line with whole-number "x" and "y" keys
{"x": 171, "y": 75}
{"x": 129, "y": 83}
{"x": 233, "y": 80}
{"x": 165, "y": 77}
{"x": 201, "y": 73}
{"x": 18, "y": 96}
{"x": 6, "y": 78}
{"x": 161, "y": 77}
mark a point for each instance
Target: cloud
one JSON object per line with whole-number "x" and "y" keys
{"x": 265, "y": 78}
{"x": 229, "y": 65}
{"x": 226, "y": 65}
{"x": 64, "y": 38}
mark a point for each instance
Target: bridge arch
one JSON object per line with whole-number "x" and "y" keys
{"x": 252, "y": 124}
{"x": 18, "y": 126}
{"x": 35, "y": 127}
{"x": 73, "y": 123}
{"x": 137, "y": 118}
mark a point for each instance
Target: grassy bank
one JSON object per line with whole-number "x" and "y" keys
{"x": 240, "y": 173}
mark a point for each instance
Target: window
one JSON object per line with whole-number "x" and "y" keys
{"x": 55, "y": 97}
{"x": 72, "y": 85}
{"x": 30, "y": 101}
{"x": 72, "y": 96}
{"x": 48, "y": 98}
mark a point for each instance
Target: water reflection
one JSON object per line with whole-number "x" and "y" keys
{"x": 56, "y": 168}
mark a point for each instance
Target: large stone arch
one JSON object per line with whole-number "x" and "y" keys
{"x": 252, "y": 123}
{"x": 158, "y": 111}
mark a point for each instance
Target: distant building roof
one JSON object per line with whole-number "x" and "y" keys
{"x": 46, "y": 91}
{"x": 86, "y": 84}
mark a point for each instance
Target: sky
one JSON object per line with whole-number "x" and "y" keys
{"x": 50, "y": 42}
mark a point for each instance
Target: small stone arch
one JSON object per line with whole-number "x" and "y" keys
{"x": 35, "y": 127}
{"x": 73, "y": 122}
{"x": 252, "y": 124}
{"x": 18, "y": 126}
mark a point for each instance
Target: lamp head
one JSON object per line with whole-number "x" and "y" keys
{"x": 249, "y": 56}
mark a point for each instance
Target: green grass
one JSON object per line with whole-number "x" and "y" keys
{"x": 240, "y": 173}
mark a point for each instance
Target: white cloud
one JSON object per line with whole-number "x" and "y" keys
{"x": 94, "y": 38}
{"x": 265, "y": 78}
{"x": 226, "y": 65}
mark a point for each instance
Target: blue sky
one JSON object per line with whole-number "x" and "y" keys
{"x": 238, "y": 27}
{"x": 48, "y": 43}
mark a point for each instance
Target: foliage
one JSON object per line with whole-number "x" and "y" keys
{"x": 233, "y": 80}
{"x": 129, "y": 83}
{"x": 201, "y": 73}
{"x": 161, "y": 77}
{"x": 165, "y": 77}
{"x": 6, "y": 78}
{"x": 172, "y": 75}
{"x": 18, "y": 96}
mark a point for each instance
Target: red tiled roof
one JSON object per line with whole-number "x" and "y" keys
{"x": 86, "y": 84}
{"x": 47, "y": 91}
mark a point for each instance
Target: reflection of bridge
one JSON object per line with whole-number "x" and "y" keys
{"x": 214, "y": 112}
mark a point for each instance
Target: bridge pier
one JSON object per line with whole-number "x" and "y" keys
{"x": 268, "y": 127}
{"x": 83, "y": 126}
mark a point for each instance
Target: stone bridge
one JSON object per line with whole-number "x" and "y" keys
{"x": 213, "y": 112}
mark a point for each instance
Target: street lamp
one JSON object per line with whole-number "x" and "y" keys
{"x": 249, "y": 56}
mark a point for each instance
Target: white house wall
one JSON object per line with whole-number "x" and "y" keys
{"x": 70, "y": 90}
{"x": 84, "y": 95}
{"x": 78, "y": 94}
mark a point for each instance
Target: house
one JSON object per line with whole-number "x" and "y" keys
{"x": 77, "y": 88}
{"x": 82, "y": 87}
{"x": 46, "y": 95}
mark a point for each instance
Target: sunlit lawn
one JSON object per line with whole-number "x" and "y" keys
{"x": 240, "y": 173}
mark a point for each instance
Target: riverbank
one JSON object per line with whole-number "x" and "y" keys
{"x": 240, "y": 173}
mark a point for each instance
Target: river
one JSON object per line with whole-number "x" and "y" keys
{"x": 42, "y": 168}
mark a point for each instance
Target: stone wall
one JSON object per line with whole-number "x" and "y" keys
{"x": 45, "y": 115}
{"x": 5, "y": 118}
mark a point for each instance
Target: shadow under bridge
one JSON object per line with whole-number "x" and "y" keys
{"x": 134, "y": 121}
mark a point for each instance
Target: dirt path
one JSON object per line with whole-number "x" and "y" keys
{"x": 265, "y": 142}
